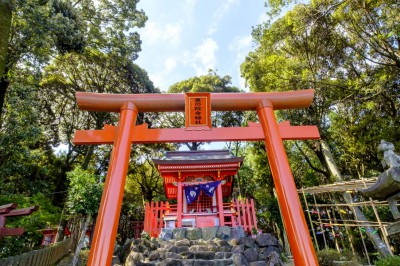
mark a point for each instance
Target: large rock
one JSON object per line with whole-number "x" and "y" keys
{"x": 193, "y": 233}
{"x": 166, "y": 234}
{"x": 204, "y": 255}
{"x": 170, "y": 262}
{"x": 179, "y": 233}
{"x": 247, "y": 242}
{"x": 172, "y": 255}
{"x": 182, "y": 243}
{"x": 266, "y": 239}
{"x": 237, "y": 232}
{"x": 239, "y": 259}
{"x": 182, "y": 249}
{"x": 224, "y": 232}
{"x": 274, "y": 259}
{"x": 276, "y": 249}
{"x": 198, "y": 248}
{"x": 155, "y": 255}
{"x": 237, "y": 249}
{"x": 209, "y": 233}
{"x": 134, "y": 258}
{"x": 251, "y": 254}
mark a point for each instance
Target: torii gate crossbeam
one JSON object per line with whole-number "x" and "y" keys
{"x": 127, "y": 133}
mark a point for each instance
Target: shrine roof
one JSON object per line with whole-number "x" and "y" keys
{"x": 198, "y": 157}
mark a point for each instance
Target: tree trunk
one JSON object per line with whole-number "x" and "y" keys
{"x": 4, "y": 83}
{"x": 375, "y": 239}
{"x": 81, "y": 241}
{"x": 5, "y": 27}
{"x": 88, "y": 157}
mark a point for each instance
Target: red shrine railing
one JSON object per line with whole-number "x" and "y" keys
{"x": 236, "y": 213}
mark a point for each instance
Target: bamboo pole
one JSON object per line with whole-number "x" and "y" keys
{"x": 309, "y": 217}
{"x": 361, "y": 235}
{"x": 320, "y": 223}
{"x": 333, "y": 232}
{"x": 384, "y": 233}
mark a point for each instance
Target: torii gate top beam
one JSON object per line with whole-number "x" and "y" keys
{"x": 175, "y": 102}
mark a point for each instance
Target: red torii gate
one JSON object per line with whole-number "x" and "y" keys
{"x": 126, "y": 133}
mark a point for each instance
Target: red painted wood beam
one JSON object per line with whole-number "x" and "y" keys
{"x": 8, "y": 207}
{"x": 142, "y": 134}
{"x": 175, "y": 102}
{"x": 11, "y": 231}
{"x": 22, "y": 212}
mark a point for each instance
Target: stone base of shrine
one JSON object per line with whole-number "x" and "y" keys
{"x": 206, "y": 233}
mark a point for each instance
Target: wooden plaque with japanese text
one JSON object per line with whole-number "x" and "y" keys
{"x": 198, "y": 111}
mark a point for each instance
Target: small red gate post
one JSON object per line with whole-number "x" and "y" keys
{"x": 110, "y": 205}
{"x": 292, "y": 212}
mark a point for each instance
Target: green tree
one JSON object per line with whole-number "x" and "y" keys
{"x": 32, "y": 31}
{"x": 347, "y": 51}
{"x": 90, "y": 71}
{"x": 83, "y": 200}
{"x": 47, "y": 216}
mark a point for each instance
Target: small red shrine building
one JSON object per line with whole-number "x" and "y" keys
{"x": 201, "y": 184}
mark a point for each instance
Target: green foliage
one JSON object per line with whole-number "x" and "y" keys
{"x": 85, "y": 192}
{"x": 390, "y": 261}
{"x": 47, "y": 216}
{"x": 206, "y": 83}
{"x": 26, "y": 159}
{"x": 347, "y": 51}
{"x": 327, "y": 256}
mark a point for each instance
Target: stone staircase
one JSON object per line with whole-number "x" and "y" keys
{"x": 261, "y": 250}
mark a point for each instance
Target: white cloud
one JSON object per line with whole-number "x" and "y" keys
{"x": 155, "y": 33}
{"x": 222, "y": 10}
{"x": 241, "y": 44}
{"x": 203, "y": 56}
{"x": 190, "y": 5}
{"x": 212, "y": 29}
{"x": 169, "y": 64}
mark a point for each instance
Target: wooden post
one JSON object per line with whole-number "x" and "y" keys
{"x": 243, "y": 208}
{"x": 179, "y": 205}
{"x": 220, "y": 205}
{"x": 102, "y": 248}
{"x": 254, "y": 213}
{"x": 249, "y": 215}
{"x": 292, "y": 212}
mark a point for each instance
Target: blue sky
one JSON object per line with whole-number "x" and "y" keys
{"x": 185, "y": 38}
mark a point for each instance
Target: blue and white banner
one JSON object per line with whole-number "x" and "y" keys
{"x": 192, "y": 192}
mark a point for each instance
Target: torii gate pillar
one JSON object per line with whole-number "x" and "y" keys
{"x": 292, "y": 212}
{"x": 110, "y": 205}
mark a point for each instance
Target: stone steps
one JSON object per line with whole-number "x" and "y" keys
{"x": 190, "y": 250}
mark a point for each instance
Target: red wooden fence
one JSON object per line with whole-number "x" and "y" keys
{"x": 245, "y": 214}
{"x": 153, "y": 217}
{"x": 238, "y": 212}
